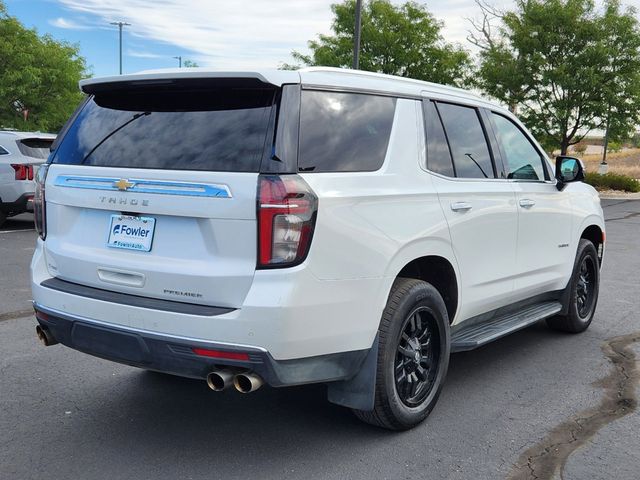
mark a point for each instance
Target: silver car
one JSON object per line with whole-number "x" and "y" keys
{"x": 20, "y": 155}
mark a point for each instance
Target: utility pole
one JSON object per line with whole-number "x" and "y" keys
{"x": 603, "y": 168}
{"x": 120, "y": 25}
{"x": 356, "y": 37}
{"x": 179, "y": 58}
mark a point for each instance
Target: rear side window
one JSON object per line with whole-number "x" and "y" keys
{"x": 35, "y": 147}
{"x": 438, "y": 154}
{"x": 216, "y": 129}
{"x": 3, "y": 151}
{"x": 467, "y": 140}
{"x": 523, "y": 160}
{"x": 344, "y": 132}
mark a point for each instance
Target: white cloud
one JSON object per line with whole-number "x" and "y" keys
{"x": 67, "y": 24}
{"x": 143, "y": 54}
{"x": 247, "y": 33}
{"x": 221, "y": 34}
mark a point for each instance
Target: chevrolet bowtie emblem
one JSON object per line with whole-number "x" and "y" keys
{"x": 123, "y": 184}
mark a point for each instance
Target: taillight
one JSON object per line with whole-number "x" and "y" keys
{"x": 23, "y": 172}
{"x": 39, "y": 204}
{"x": 286, "y": 217}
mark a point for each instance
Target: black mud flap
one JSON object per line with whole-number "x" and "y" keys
{"x": 359, "y": 391}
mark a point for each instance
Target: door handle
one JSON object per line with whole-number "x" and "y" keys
{"x": 460, "y": 206}
{"x": 527, "y": 203}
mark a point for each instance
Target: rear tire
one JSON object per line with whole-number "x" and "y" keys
{"x": 3, "y": 218}
{"x": 413, "y": 356}
{"x": 584, "y": 287}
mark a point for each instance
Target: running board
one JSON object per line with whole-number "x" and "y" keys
{"x": 479, "y": 334}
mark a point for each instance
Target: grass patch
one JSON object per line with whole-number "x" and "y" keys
{"x": 612, "y": 181}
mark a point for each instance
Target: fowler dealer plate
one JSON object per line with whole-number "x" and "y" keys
{"x": 131, "y": 233}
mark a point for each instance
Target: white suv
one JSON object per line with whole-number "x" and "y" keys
{"x": 322, "y": 225}
{"x": 20, "y": 155}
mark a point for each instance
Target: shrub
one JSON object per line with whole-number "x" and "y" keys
{"x": 612, "y": 181}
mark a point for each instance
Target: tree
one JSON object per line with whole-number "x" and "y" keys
{"x": 568, "y": 68}
{"x": 190, "y": 64}
{"x": 38, "y": 77}
{"x": 400, "y": 40}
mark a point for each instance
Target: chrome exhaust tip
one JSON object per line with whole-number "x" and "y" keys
{"x": 218, "y": 380}
{"x": 45, "y": 337}
{"x": 247, "y": 382}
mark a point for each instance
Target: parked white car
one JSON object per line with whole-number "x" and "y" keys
{"x": 300, "y": 227}
{"x": 20, "y": 155}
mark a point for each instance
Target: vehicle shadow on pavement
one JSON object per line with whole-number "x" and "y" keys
{"x": 187, "y": 411}
{"x": 17, "y": 223}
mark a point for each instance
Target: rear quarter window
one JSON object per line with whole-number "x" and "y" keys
{"x": 344, "y": 132}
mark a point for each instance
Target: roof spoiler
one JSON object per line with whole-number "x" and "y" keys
{"x": 192, "y": 77}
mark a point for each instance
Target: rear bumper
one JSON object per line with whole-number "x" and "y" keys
{"x": 288, "y": 313}
{"x": 175, "y": 355}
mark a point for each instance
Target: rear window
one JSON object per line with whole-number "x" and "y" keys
{"x": 344, "y": 132}
{"x": 216, "y": 129}
{"x": 35, "y": 147}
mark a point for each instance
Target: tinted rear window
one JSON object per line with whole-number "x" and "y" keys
{"x": 35, "y": 147}
{"x": 344, "y": 132}
{"x": 217, "y": 129}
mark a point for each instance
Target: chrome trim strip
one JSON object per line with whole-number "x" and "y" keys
{"x": 186, "y": 189}
{"x": 67, "y": 316}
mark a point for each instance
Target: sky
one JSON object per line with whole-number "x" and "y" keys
{"x": 220, "y": 34}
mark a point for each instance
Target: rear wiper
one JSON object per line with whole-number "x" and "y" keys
{"x": 107, "y": 137}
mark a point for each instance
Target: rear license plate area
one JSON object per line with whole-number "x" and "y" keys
{"x": 131, "y": 233}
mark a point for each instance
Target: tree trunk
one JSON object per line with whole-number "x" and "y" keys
{"x": 564, "y": 146}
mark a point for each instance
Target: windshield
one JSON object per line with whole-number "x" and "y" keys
{"x": 217, "y": 129}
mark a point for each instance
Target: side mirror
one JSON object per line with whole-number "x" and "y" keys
{"x": 568, "y": 169}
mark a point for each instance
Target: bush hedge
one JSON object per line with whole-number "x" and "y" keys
{"x": 612, "y": 181}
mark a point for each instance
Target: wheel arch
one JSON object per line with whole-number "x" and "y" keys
{"x": 596, "y": 235}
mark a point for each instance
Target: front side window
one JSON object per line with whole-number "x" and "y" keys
{"x": 471, "y": 156}
{"x": 344, "y": 132}
{"x": 523, "y": 160}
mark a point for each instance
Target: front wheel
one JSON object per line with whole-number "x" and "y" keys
{"x": 584, "y": 287}
{"x": 413, "y": 356}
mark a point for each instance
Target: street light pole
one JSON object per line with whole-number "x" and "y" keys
{"x": 179, "y": 58}
{"x": 356, "y": 37}
{"x": 120, "y": 25}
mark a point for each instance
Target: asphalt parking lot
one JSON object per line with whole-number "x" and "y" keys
{"x": 528, "y": 406}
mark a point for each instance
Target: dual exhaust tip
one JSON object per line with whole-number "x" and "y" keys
{"x": 45, "y": 337}
{"x": 219, "y": 380}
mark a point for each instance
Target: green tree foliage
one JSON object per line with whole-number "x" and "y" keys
{"x": 400, "y": 40}
{"x": 566, "y": 67}
{"x": 37, "y": 74}
{"x": 189, "y": 64}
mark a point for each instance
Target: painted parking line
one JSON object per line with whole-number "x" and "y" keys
{"x": 21, "y": 230}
